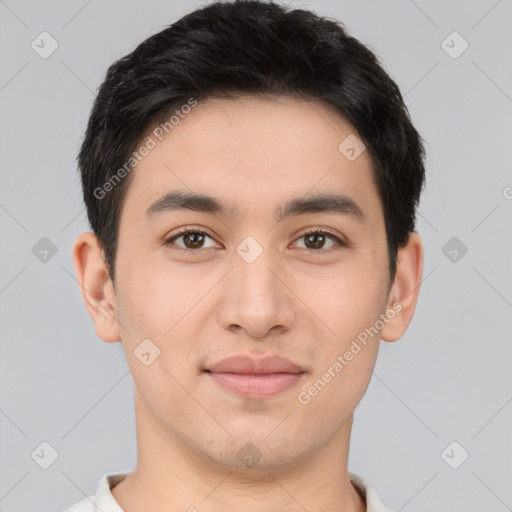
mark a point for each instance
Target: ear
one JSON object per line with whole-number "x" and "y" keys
{"x": 403, "y": 295}
{"x": 95, "y": 285}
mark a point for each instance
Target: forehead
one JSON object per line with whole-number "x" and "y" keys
{"x": 253, "y": 151}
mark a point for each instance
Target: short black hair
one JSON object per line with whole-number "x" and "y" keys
{"x": 252, "y": 47}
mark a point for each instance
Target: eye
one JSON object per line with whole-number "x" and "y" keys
{"x": 192, "y": 239}
{"x": 315, "y": 240}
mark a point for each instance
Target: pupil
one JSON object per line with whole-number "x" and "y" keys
{"x": 309, "y": 237}
{"x": 196, "y": 242}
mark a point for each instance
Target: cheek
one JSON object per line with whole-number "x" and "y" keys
{"x": 153, "y": 298}
{"x": 346, "y": 300}
{"x": 346, "y": 306}
{"x": 159, "y": 304}
{"x": 346, "y": 353}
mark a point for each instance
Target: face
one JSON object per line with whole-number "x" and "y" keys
{"x": 252, "y": 280}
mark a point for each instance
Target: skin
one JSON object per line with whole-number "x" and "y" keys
{"x": 198, "y": 308}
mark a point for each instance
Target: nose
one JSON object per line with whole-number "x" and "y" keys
{"x": 257, "y": 298}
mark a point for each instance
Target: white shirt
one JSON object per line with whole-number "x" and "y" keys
{"x": 103, "y": 501}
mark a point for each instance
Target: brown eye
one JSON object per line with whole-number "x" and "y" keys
{"x": 315, "y": 241}
{"x": 193, "y": 239}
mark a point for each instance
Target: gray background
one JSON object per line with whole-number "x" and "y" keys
{"x": 448, "y": 379}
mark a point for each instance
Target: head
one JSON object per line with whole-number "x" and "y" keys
{"x": 283, "y": 124}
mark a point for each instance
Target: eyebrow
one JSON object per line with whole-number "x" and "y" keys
{"x": 337, "y": 204}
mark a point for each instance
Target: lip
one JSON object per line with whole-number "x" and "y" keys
{"x": 255, "y": 378}
{"x": 247, "y": 364}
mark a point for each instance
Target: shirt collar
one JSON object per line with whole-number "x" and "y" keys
{"x": 369, "y": 493}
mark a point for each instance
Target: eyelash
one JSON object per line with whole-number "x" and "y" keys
{"x": 340, "y": 243}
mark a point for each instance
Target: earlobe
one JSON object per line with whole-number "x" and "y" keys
{"x": 95, "y": 286}
{"x": 403, "y": 296}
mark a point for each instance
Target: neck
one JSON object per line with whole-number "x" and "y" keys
{"x": 174, "y": 476}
